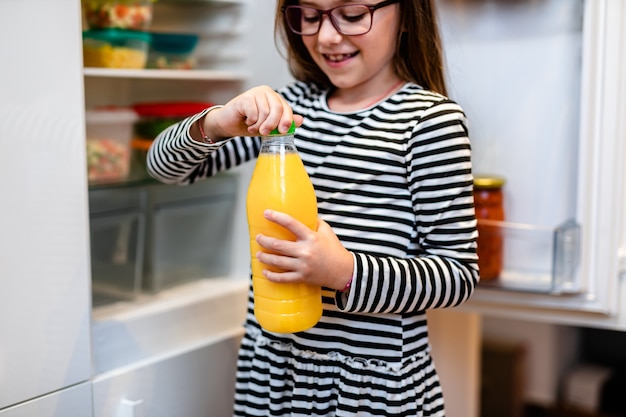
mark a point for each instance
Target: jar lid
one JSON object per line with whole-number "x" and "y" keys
{"x": 171, "y": 109}
{"x": 488, "y": 181}
{"x": 174, "y": 43}
{"x": 117, "y": 36}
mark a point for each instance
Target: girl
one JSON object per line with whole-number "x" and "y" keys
{"x": 389, "y": 157}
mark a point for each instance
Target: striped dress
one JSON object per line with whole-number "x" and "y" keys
{"x": 394, "y": 182}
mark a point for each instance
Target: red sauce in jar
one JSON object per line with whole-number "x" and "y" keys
{"x": 488, "y": 203}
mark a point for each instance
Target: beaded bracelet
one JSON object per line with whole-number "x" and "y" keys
{"x": 205, "y": 138}
{"x": 347, "y": 287}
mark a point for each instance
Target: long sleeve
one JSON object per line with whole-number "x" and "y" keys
{"x": 444, "y": 270}
{"x": 175, "y": 158}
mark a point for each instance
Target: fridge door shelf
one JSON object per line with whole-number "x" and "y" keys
{"x": 536, "y": 259}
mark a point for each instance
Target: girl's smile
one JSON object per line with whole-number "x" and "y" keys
{"x": 339, "y": 57}
{"x": 339, "y": 60}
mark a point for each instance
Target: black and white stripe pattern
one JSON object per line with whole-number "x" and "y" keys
{"x": 394, "y": 181}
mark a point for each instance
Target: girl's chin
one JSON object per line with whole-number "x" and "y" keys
{"x": 341, "y": 79}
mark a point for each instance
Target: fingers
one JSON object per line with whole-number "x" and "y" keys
{"x": 288, "y": 260}
{"x": 263, "y": 110}
{"x": 315, "y": 257}
{"x": 279, "y": 268}
{"x": 299, "y": 229}
{"x": 257, "y": 111}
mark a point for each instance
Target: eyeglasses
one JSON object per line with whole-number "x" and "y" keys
{"x": 349, "y": 19}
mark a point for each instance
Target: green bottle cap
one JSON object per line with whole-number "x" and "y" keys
{"x": 291, "y": 130}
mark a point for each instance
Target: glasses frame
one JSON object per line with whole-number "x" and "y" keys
{"x": 328, "y": 12}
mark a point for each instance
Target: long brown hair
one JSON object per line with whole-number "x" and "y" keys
{"x": 418, "y": 55}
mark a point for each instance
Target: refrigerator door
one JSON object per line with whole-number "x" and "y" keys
{"x": 544, "y": 91}
{"x": 44, "y": 245}
{"x": 71, "y": 402}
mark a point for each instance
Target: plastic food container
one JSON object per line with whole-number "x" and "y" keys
{"x": 113, "y": 48}
{"x": 109, "y": 134}
{"x": 172, "y": 50}
{"x": 117, "y": 239}
{"x": 183, "y": 242}
{"x": 118, "y": 14}
{"x": 153, "y": 119}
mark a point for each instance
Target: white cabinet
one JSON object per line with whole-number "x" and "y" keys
{"x": 191, "y": 383}
{"x": 173, "y": 353}
{"x": 45, "y": 326}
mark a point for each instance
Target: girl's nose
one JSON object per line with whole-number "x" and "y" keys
{"x": 328, "y": 32}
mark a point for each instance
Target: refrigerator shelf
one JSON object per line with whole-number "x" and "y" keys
{"x": 165, "y": 74}
{"x": 536, "y": 259}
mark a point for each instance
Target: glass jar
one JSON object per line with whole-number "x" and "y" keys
{"x": 488, "y": 203}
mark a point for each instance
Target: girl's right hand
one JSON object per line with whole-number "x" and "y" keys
{"x": 255, "y": 112}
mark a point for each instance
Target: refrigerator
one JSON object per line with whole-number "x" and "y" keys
{"x": 543, "y": 83}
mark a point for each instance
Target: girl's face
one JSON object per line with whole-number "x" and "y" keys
{"x": 362, "y": 62}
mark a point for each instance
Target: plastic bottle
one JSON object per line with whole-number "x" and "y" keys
{"x": 280, "y": 182}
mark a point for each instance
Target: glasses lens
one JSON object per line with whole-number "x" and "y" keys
{"x": 348, "y": 20}
{"x": 303, "y": 20}
{"x": 352, "y": 19}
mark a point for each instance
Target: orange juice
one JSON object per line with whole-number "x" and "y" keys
{"x": 280, "y": 182}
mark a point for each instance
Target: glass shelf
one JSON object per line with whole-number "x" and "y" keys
{"x": 205, "y": 2}
{"x": 164, "y": 74}
{"x": 536, "y": 259}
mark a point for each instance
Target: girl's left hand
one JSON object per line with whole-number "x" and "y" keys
{"x": 316, "y": 257}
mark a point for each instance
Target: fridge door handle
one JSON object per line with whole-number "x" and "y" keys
{"x": 130, "y": 408}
